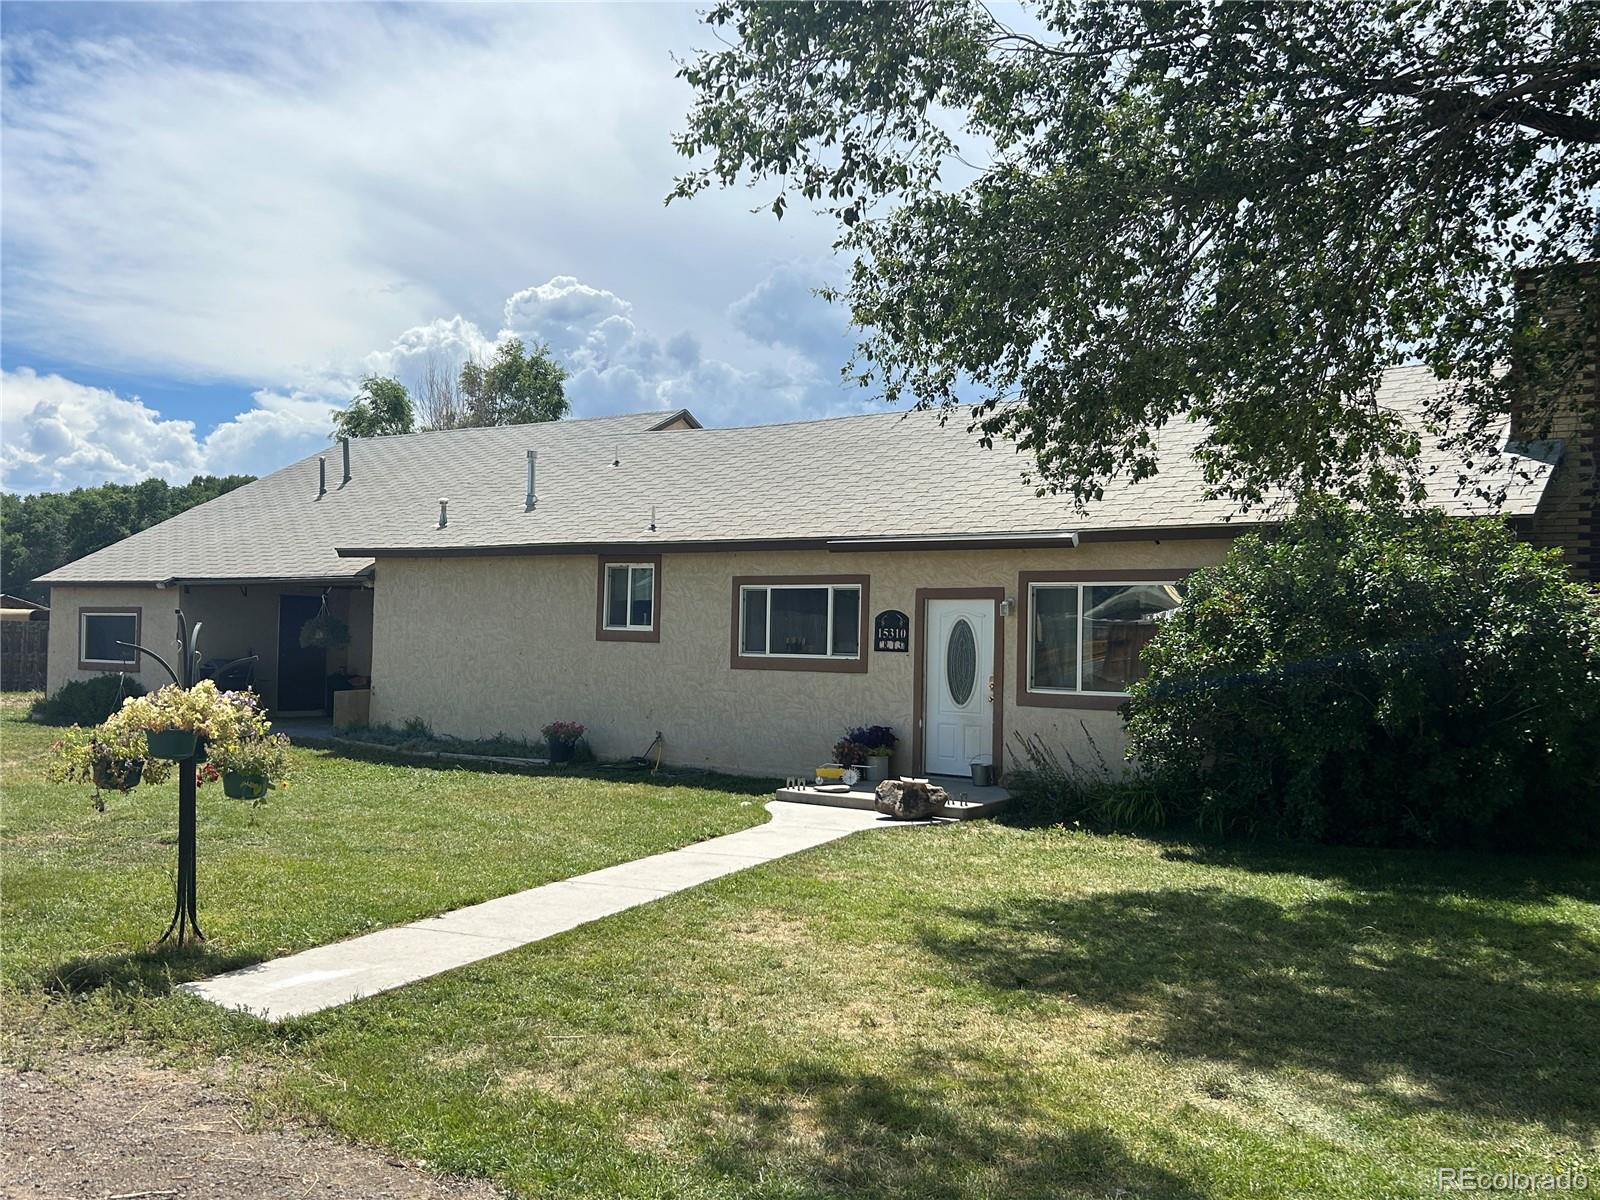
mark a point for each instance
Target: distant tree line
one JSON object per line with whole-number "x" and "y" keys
{"x": 515, "y": 387}
{"x": 42, "y": 532}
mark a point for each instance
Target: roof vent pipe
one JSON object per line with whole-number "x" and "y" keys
{"x": 344, "y": 444}
{"x": 444, "y": 512}
{"x": 322, "y": 476}
{"x": 531, "y": 501}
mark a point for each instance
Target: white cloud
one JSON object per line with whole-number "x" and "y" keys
{"x": 784, "y": 310}
{"x": 617, "y": 366}
{"x": 259, "y": 196}
{"x": 59, "y": 434}
{"x": 256, "y": 193}
{"x": 565, "y": 313}
{"x": 62, "y": 434}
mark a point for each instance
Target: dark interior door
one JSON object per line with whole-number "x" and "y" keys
{"x": 302, "y": 672}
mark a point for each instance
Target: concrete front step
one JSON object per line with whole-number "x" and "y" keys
{"x": 966, "y": 801}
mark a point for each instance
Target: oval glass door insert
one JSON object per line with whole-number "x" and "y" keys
{"x": 961, "y": 661}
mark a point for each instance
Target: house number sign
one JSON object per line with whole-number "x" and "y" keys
{"x": 891, "y": 632}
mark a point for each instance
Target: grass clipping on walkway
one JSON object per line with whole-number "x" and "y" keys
{"x": 969, "y": 1010}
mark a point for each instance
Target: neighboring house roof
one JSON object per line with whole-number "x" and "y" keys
{"x": 616, "y": 482}
{"x": 7, "y": 600}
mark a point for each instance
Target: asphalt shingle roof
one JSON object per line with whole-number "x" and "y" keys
{"x": 602, "y": 481}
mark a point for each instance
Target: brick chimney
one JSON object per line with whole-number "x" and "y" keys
{"x": 1562, "y": 402}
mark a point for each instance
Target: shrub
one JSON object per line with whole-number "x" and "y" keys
{"x": 86, "y": 701}
{"x": 1055, "y": 788}
{"x": 1383, "y": 679}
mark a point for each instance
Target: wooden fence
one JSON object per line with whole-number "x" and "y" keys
{"x": 23, "y": 648}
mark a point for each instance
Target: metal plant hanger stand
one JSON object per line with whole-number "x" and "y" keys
{"x": 185, "y": 924}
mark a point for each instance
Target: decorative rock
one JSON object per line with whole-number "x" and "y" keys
{"x": 909, "y": 800}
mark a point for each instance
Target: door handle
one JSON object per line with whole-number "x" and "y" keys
{"x": 991, "y": 689}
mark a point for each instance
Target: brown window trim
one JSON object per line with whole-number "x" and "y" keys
{"x": 106, "y": 610}
{"x": 601, "y": 633}
{"x": 1078, "y": 700}
{"x": 755, "y": 662}
{"x": 919, "y": 671}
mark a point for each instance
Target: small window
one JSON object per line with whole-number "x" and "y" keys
{"x": 1088, "y": 637}
{"x": 801, "y": 621}
{"x": 99, "y": 633}
{"x": 630, "y": 596}
{"x": 628, "y": 602}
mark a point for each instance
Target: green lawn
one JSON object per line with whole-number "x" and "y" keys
{"x": 969, "y": 1010}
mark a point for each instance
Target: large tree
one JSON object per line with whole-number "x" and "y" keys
{"x": 516, "y": 387}
{"x": 381, "y": 407}
{"x": 43, "y": 531}
{"x": 1097, "y": 218}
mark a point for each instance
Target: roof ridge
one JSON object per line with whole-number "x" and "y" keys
{"x": 558, "y": 421}
{"x": 901, "y": 412}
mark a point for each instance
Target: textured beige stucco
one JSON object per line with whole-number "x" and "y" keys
{"x": 156, "y": 621}
{"x": 478, "y": 646}
{"x": 238, "y": 621}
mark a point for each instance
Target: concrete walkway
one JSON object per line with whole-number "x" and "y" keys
{"x": 344, "y": 971}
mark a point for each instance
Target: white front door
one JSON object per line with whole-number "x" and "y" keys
{"x": 958, "y": 707}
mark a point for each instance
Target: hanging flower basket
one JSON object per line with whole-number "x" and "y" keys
{"x": 176, "y": 744}
{"x": 324, "y": 631}
{"x": 244, "y": 785}
{"x": 251, "y": 766}
{"x": 118, "y": 774}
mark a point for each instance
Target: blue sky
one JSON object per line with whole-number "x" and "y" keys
{"x": 218, "y": 218}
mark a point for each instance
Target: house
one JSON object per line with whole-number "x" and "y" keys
{"x": 747, "y": 592}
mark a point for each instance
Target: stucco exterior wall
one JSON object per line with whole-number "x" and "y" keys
{"x": 156, "y": 622}
{"x": 238, "y": 620}
{"x": 479, "y": 646}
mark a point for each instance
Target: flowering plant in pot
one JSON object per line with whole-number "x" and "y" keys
{"x": 871, "y": 746}
{"x": 110, "y": 761}
{"x": 561, "y": 740}
{"x": 174, "y": 720}
{"x": 252, "y": 766}
{"x": 324, "y": 631}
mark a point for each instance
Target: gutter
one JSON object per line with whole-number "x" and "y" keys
{"x": 1058, "y": 539}
{"x": 171, "y": 581}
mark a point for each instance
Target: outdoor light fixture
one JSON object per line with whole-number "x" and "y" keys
{"x": 1008, "y": 606}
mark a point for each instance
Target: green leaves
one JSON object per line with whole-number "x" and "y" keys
{"x": 1379, "y": 677}
{"x": 515, "y": 388}
{"x": 1110, "y": 216}
{"x": 380, "y": 408}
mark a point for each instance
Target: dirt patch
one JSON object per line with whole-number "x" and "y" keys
{"x": 94, "y": 1127}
